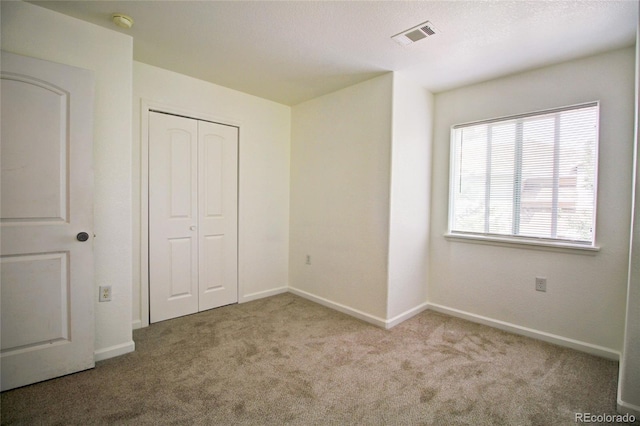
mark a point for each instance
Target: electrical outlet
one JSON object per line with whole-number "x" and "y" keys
{"x": 105, "y": 293}
{"x": 308, "y": 261}
{"x": 541, "y": 284}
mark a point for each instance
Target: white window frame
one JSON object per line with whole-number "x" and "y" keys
{"x": 516, "y": 240}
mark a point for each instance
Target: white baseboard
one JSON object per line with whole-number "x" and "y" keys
{"x": 626, "y": 408}
{"x": 262, "y": 294}
{"x": 406, "y": 315}
{"x": 529, "y": 332}
{"x": 136, "y": 324}
{"x": 371, "y": 319}
{"x": 113, "y": 351}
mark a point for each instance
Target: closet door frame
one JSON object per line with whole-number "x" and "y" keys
{"x": 146, "y": 106}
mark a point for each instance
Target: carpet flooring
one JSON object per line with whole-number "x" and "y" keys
{"x": 286, "y": 360}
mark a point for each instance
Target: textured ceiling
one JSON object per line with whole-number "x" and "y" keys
{"x": 290, "y": 52}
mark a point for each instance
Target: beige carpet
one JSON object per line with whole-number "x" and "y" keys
{"x": 285, "y": 360}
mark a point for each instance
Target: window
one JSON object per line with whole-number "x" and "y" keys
{"x": 527, "y": 177}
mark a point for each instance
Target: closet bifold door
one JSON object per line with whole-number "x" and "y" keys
{"x": 218, "y": 214}
{"x": 193, "y": 216}
{"x": 173, "y": 216}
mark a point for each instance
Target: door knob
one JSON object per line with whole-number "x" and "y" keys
{"x": 193, "y": 227}
{"x": 82, "y": 236}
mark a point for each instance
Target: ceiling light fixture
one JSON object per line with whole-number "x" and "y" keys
{"x": 419, "y": 32}
{"x": 122, "y": 20}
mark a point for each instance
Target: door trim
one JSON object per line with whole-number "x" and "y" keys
{"x": 146, "y": 106}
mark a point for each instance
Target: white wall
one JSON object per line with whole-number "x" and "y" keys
{"x": 263, "y": 176}
{"x": 585, "y": 299}
{"x": 340, "y": 198}
{"x": 629, "y": 383}
{"x": 33, "y": 31}
{"x": 412, "y": 113}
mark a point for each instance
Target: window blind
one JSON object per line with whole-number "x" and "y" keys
{"x": 528, "y": 176}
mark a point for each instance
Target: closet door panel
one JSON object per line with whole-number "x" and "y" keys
{"x": 173, "y": 216}
{"x": 218, "y": 214}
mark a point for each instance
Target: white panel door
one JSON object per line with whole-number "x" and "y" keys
{"x": 193, "y": 211}
{"x": 46, "y": 279}
{"x": 218, "y": 214}
{"x": 173, "y": 216}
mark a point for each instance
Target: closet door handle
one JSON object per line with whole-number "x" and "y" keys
{"x": 193, "y": 227}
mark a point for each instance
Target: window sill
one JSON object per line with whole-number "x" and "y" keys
{"x": 524, "y": 243}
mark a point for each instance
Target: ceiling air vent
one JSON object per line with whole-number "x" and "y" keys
{"x": 414, "y": 34}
